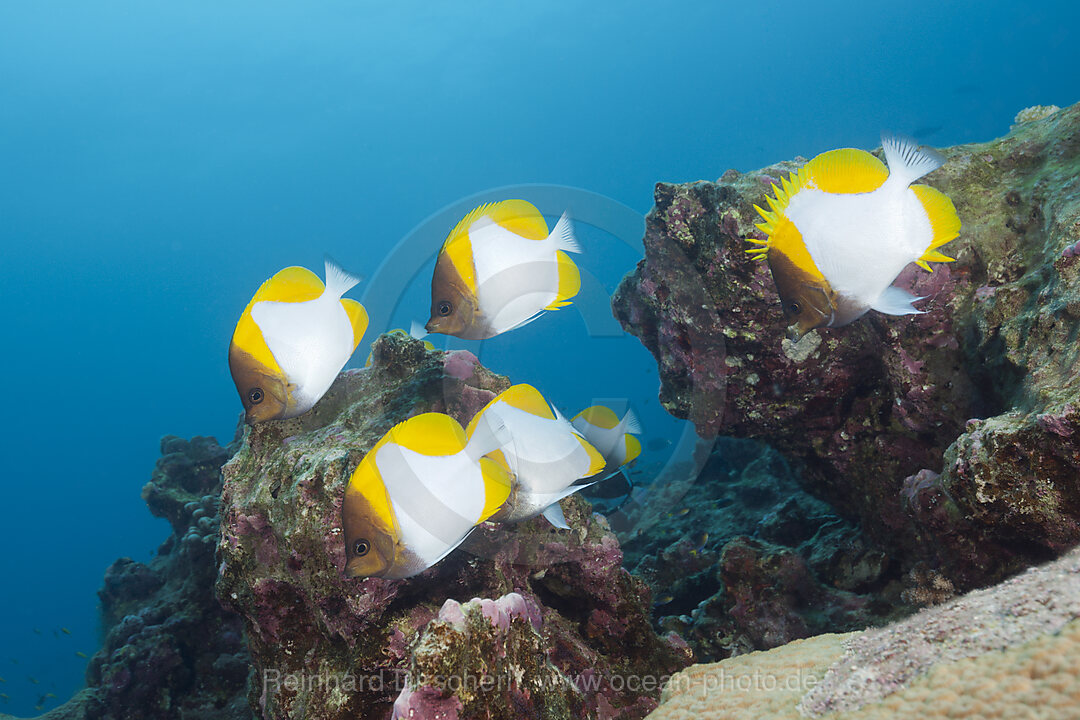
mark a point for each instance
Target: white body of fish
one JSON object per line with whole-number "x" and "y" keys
{"x": 312, "y": 340}
{"x": 516, "y": 278}
{"x": 860, "y": 242}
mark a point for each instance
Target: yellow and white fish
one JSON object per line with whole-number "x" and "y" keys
{"x": 418, "y": 493}
{"x": 612, "y": 437}
{"x": 500, "y": 269}
{"x": 843, "y": 227}
{"x": 292, "y": 341}
{"x": 544, "y": 452}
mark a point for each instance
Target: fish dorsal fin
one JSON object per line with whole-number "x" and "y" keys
{"x": 497, "y": 483}
{"x": 526, "y": 397}
{"x": 433, "y": 434}
{"x": 293, "y": 284}
{"x": 519, "y": 217}
{"x": 569, "y": 281}
{"x": 600, "y": 416}
{"x": 785, "y": 238}
{"x": 943, "y": 220}
{"x": 358, "y": 318}
{"x": 845, "y": 171}
{"x": 782, "y": 235}
{"x": 367, "y": 482}
{"x": 596, "y": 460}
{"x": 633, "y": 448}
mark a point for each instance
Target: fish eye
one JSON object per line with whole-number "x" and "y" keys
{"x": 360, "y": 547}
{"x": 445, "y": 308}
{"x": 794, "y": 308}
{"x": 255, "y": 396}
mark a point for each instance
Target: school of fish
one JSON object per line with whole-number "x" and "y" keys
{"x": 836, "y": 236}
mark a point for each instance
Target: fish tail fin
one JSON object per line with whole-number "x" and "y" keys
{"x": 907, "y": 161}
{"x": 563, "y": 235}
{"x": 630, "y": 423}
{"x": 338, "y": 280}
{"x": 894, "y": 301}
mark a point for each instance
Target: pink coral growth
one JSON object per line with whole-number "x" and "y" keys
{"x": 425, "y": 703}
{"x": 498, "y": 612}
{"x": 460, "y": 364}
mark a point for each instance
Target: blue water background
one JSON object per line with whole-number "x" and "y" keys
{"x": 159, "y": 160}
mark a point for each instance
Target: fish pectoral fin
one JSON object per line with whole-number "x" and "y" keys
{"x": 894, "y": 301}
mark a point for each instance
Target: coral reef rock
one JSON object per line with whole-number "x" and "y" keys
{"x": 521, "y": 621}
{"x": 952, "y": 436}
{"x": 775, "y": 564}
{"x": 1004, "y": 652}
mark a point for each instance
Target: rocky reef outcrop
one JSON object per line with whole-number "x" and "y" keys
{"x": 952, "y": 437}
{"x": 521, "y": 621}
{"x": 742, "y": 558}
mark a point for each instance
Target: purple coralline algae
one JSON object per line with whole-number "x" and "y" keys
{"x": 950, "y": 436}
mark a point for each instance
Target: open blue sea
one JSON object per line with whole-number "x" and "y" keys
{"x": 158, "y": 161}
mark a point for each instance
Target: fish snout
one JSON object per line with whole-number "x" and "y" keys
{"x": 794, "y": 334}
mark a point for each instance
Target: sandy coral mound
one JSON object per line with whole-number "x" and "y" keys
{"x": 1011, "y": 651}
{"x": 1037, "y": 680}
{"x": 766, "y": 684}
{"x": 1038, "y": 603}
